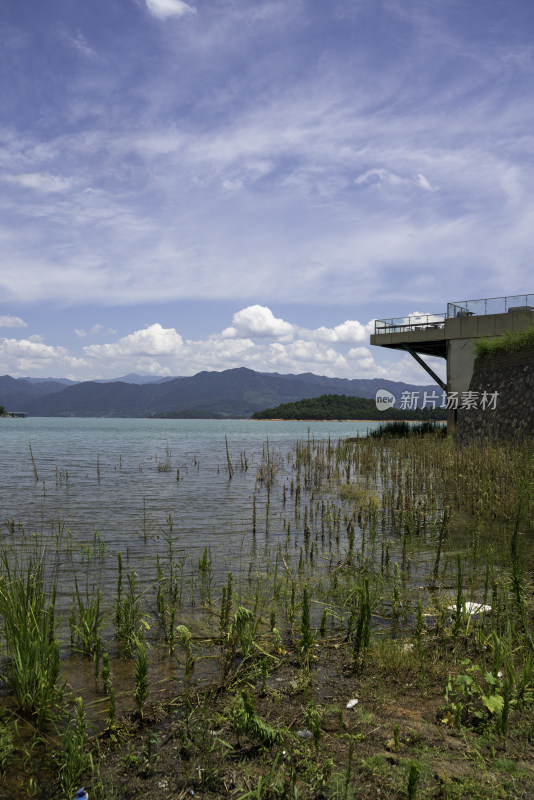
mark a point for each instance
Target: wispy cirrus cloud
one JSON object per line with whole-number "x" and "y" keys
{"x": 329, "y": 154}
{"x": 42, "y": 182}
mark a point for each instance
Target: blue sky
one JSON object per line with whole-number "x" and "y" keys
{"x": 210, "y": 184}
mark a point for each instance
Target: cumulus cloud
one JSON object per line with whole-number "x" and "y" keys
{"x": 9, "y": 321}
{"x": 21, "y": 356}
{"x": 151, "y": 341}
{"x": 362, "y": 359}
{"x": 258, "y": 321}
{"x": 347, "y": 332}
{"x": 272, "y": 345}
{"x": 169, "y": 8}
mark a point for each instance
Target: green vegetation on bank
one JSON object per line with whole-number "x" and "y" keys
{"x": 401, "y": 429}
{"x": 376, "y": 643}
{"x": 508, "y": 343}
{"x": 340, "y": 406}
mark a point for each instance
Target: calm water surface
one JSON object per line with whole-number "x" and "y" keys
{"x": 124, "y": 478}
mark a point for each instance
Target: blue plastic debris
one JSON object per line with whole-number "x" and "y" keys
{"x": 81, "y": 794}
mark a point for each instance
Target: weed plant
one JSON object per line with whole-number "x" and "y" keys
{"x": 29, "y": 631}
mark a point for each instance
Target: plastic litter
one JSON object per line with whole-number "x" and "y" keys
{"x": 353, "y": 702}
{"x": 81, "y": 794}
{"x": 473, "y": 608}
{"x": 304, "y": 734}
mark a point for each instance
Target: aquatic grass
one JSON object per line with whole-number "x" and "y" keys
{"x": 128, "y": 614}
{"x": 88, "y": 624}
{"x": 73, "y": 758}
{"x": 184, "y": 637}
{"x": 141, "y": 677}
{"x": 307, "y": 635}
{"x": 29, "y": 631}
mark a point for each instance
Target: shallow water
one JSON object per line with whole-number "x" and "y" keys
{"x": 99, "y": 486}
{"x": 123, "y": 479}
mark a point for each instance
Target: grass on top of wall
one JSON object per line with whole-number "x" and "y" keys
{"x": 508, "y": 343}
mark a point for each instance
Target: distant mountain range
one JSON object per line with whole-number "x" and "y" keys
{"x": 233, "y": 393}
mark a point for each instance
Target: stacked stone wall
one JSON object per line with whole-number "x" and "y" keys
{"x": 512, "y": 376}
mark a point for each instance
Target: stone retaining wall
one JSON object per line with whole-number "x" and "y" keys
{"x": 512, "y": 375}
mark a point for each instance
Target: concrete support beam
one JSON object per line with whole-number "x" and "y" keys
{"x": 425, "y": 366}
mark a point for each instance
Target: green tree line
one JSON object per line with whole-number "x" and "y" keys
{"x": 340, "y": 406}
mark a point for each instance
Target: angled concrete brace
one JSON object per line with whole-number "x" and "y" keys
{"x": 425, "y": 366}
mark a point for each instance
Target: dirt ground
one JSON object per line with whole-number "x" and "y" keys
{"x": 397, "y": 741}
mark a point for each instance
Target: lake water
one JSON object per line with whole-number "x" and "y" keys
{"x": 76, "y": 492}
{"x": 124, "y": 478}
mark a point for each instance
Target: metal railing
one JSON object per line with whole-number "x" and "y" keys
{"x": 460, "y": 308}
{"x": 491, "y": 305}
{"x": 412, "y": 323}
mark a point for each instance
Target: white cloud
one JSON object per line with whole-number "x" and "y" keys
{"x": 379, "y": 175}
{"x": 96, "y": 329}
{"x": 306, "y": 356}
{"x": 21, "y": 356}
{"x": 259, "y": 321}
{"x": 151, "y": 341}
{"x": 169, "y": 8}
{"x": 233, "y": 186}
{"x": 9, "y": 321}
{"x": 347, "y": 332}
{"x": 79, "y": 43}
{"x": 362, "y": 360}
{"x": 273, "y": 345}
{"x": 42, "y": 182}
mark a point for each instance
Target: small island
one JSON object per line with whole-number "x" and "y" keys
{"x": 342, "y": 407}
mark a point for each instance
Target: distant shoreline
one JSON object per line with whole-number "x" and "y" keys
{"x": 395, "y": 419}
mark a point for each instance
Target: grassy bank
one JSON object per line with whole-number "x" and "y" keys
{"x": 341, "y": 660}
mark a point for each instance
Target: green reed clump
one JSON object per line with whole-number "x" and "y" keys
{"x": 141, "y": 677}
{"x": 242, "y": 631}
{"x": 112, "y": 708}
{"x": 183, "y": 635}
{"x": 226, "y": 605}
{"x": 414, "y": 774}
{"x": 307, "y": 635}
{"x": 30, "y": 638}
{"x": 459, "y": 612}
{"x": 362, "y": 635}
{"x": 87, "y": 625}
{"x": 206, "y": 576}
{"x": 7, "y": 747}
{"x": 245, "y": 721}
{"x": 73, "y": 758}
{"x": 128, "y": 614}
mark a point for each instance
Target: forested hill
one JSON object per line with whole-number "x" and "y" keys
{"x": 228, "y": 394}
{"x": 339, "y": 406}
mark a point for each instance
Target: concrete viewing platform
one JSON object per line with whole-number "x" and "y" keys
{"x": 452, "y": 335}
